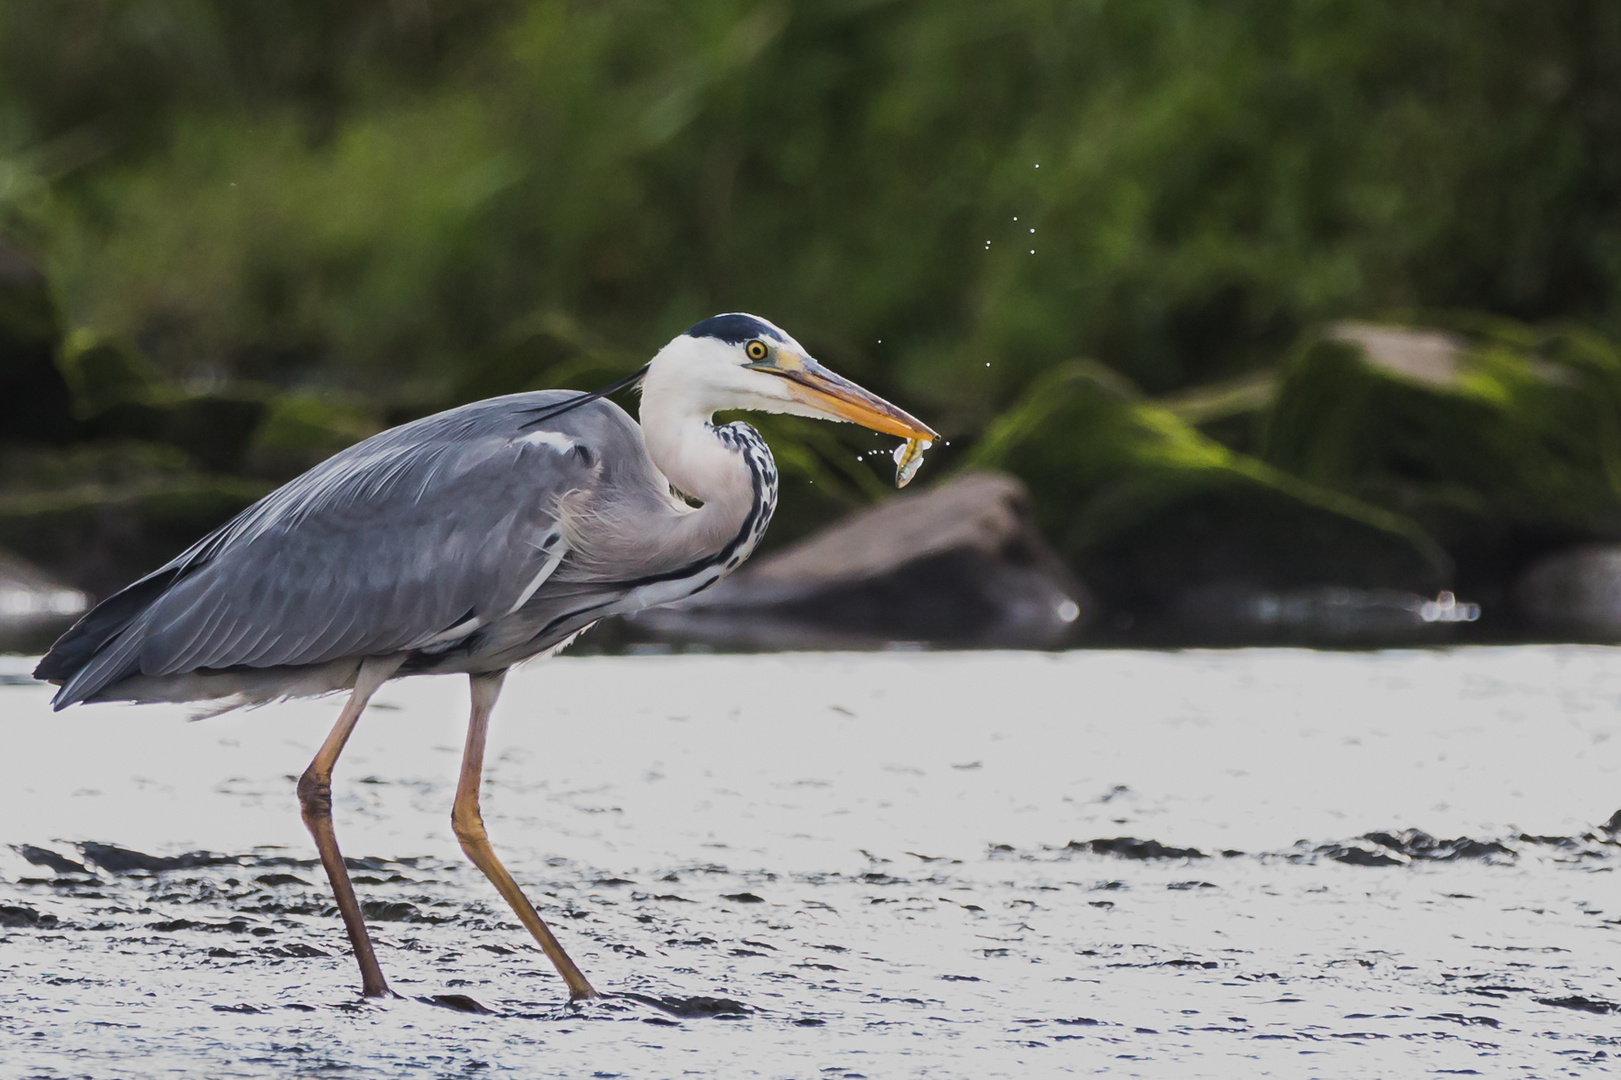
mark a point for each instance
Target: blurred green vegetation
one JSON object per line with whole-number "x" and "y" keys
{"x": 384, "y": 192}
{"x": 343, "y": 215}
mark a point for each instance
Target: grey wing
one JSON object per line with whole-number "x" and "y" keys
{"x": 410, "y": 540}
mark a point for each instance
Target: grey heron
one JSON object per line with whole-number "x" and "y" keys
{"x": 466, "y": 542}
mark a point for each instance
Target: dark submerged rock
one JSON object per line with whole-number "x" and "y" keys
{"x": 1581, "y": 1004}
{"x": 1410, "y": 846}
{"x": 1355, "y": 855}
{"x": 49, "y": 859}
{"x": 1129, "y": 847}
{"x": 21, "y": 917}
{"x": 122, "y": 860}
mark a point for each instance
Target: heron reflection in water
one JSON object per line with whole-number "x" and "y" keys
{"x": 466, "y": 542}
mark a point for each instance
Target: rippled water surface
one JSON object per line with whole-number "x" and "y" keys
{"x": 1259, "y": 863}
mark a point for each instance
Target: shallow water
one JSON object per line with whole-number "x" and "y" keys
{"x": 905, "y": 864}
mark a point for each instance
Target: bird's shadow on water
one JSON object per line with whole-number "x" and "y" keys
{"x": 621, "y": 1005}
{"x": 625, "y": 1005}
{"x": 689, "y": 1008}
{"x": 186, "y": 879}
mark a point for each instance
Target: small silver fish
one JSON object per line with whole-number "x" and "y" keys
{"x": 908, "y": 457}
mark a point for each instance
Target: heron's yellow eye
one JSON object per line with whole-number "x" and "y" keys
{"x": 756, "y": 350}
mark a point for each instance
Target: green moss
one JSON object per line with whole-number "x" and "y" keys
{"x": 1229, "y": 411}
{"x": 101, "y": 537}
{"x": 1519, "y": 426}
{"x": 300, "y": 431}
{"x": 1145, "y": 508}
{"x": 103, "y": 372}
{"x": 38, "y": 470}
{"x": 215, "y": 429}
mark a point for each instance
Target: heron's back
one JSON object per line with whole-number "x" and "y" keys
{"x": 415, "y": 539}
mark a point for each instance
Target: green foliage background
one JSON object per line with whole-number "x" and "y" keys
{"x": 414, "y": 202}
{"x": 397, "y": 187}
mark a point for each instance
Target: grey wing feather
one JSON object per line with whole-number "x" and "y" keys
{"x": 381, "y": 548}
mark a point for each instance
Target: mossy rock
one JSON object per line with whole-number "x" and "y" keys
{"x": 1501, "y": 440}
{"x": 1230, "y": 412}
{"x": 1529, "y": 424}
{"x": 1146, "y": 509}
{"x": 300, "y": 431}
{"x": 42, "y": 470}
{"x": 100, "y": 537}
{"x": 102, "y": 372}
{"x": 215, "y": 429}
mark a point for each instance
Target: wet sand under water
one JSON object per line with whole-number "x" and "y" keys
{"x": 907, "y": 864}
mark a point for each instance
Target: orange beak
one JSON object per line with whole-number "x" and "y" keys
{"x": 838, "y": 398}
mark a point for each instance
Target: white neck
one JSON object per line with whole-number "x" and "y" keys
{"x": 682, "y": 444}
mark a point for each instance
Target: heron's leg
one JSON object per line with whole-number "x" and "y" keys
{"x": 469, "y": 826}
{"x": 315, "y": 799}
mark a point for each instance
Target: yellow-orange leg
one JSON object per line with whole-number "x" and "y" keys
{"x": 315, "y": 800}
{"x": 469, "y": 826}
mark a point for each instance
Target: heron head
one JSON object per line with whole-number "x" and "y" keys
{"x": 744, "y": 362}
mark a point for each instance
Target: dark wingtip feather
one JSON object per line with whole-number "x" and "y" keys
{"x": 78, "y": 647}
